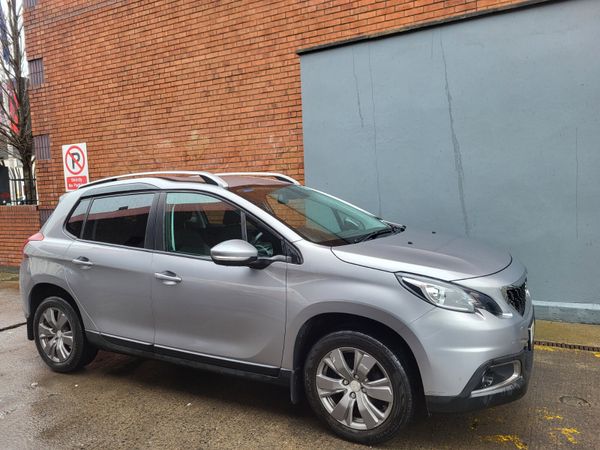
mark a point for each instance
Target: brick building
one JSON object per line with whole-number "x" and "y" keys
{"x": 186, "y": 84}
{"x": 403, "y": 107}
{"x": 191, "y": 84}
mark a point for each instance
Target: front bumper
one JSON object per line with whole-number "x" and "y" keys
{"x": 467, "y": 401}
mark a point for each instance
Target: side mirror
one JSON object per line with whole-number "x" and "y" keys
{"x": 234, "y": 252}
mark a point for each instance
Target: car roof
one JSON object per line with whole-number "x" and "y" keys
{"x": 222, "y": 180}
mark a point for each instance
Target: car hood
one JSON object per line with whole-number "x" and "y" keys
{"x": 430, "y": 254}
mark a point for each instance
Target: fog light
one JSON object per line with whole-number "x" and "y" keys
{"x": 486, "y": 380}
{"x": 496, "y": 377}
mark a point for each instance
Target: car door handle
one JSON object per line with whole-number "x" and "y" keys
{"x": 82, "y": 261}
{"x": 167, "y": 277}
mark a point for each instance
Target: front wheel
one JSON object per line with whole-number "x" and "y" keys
{"x": 358, "y": 386}
{"x": 59, "y": 336}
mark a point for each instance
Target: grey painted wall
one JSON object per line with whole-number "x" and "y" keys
{"x": 488, "y": 127}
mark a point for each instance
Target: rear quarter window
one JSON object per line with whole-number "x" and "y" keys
{"x": 75, "y": 222}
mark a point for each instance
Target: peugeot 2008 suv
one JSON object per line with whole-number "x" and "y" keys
{"x": 254, "y": 274}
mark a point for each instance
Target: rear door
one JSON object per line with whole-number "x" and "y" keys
{"x": 233, "y": 316}
{"x": 109, "y": 269}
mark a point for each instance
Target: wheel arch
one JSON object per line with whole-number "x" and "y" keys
{"x": 42, "y": 291}
{"x": 322, "y": 324}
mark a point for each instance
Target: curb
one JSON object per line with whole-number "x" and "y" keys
{"x": 586, "y": 348}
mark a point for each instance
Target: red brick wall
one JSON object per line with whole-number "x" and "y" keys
{"x": 17, "y": 223}
{"x": 186, "y": 84}
{"x": 190, "y": 84}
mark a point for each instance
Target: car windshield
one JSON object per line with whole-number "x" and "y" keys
{"x": 315, "y": 216}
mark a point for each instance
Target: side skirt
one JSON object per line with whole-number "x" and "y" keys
{"x": 115, "y": 344}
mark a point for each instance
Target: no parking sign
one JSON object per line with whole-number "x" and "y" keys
{"x": 75, "y": 165}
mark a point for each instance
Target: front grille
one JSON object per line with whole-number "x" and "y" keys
{"x": 516, "y": 296}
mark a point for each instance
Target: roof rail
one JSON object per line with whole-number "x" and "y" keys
{"x": 278, "y": 176}
{"x": 206, "y": 176}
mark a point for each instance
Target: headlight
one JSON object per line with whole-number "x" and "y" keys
{"x": 448, "y": 295}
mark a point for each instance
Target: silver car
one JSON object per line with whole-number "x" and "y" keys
{"x": 253, "y": 274}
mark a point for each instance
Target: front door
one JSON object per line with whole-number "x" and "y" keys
{"x": 233, "y": 316}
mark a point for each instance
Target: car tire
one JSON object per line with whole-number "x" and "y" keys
{"x": 59, "y": 336}
{"x": 348, "y": 375}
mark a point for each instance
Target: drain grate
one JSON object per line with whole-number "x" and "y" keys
{"x": 587, "y": 348}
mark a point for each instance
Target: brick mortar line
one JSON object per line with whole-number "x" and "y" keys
{"x": 587, "y": 348}
{"x": 34, "y": 21}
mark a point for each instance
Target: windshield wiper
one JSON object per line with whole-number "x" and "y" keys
{"x": 374, "y": 234}
{"x": 392, "y": 229}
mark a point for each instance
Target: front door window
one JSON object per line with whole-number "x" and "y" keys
{"x": 195, "y": 223}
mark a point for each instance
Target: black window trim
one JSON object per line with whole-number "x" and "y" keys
{"x": 159, "y": 246}
{"x": 154, "y": 241}
{"x": 150, "y": 226}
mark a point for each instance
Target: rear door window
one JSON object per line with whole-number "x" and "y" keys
{"x": 120, "y": 220}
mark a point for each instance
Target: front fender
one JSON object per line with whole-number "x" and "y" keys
{"x": 363, "y": 310}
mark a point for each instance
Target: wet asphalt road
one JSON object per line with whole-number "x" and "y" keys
{"x": 125, "y": 402}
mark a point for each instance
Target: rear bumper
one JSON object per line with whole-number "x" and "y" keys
{"x": 467, "y": 401}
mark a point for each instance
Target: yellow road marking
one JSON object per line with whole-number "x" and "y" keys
{"x": 567, "y": 433}
{"x": 508, "y": 438}
{"x": 545, "y": 348}
{"x": 551, "y": 417}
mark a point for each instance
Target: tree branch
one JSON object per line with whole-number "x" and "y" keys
{"x": 15, "y": 126}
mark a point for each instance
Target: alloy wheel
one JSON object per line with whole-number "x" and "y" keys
{"x": 55, "y": 335}
{"x": 354, "y": 388}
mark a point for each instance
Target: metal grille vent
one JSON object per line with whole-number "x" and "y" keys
{"x": 41, "y": 144}
{"x": 517, "y": 297}
{"x": 36, "y": 71}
